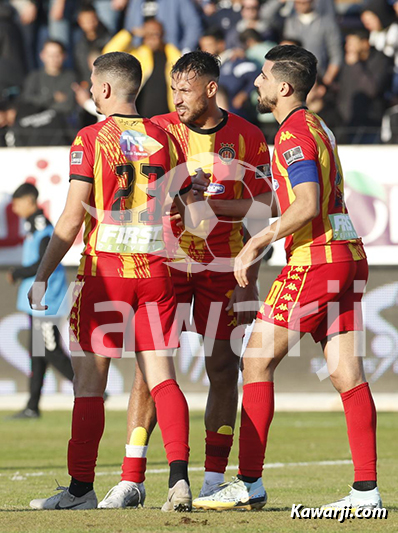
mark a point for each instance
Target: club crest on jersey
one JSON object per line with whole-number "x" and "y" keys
{"x": 292, "y": 155}
{"x": 136, "y": 145}
{"x": 263, "y": 171}
{"x": 227, "y": 153}
{"x": 215, "y": 188}
{"x": 76, "y": 158}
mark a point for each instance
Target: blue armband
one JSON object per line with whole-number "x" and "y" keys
{"x": 303, "y": 172}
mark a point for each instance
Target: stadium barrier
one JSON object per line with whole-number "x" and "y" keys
{"x": 372, "y": 197}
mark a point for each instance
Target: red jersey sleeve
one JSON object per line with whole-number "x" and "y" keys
{"x": 295, "y": 146}
{"x": 257, "y": 181}
{"x": 82, "y": 158}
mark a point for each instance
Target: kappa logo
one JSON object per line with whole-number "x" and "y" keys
{"x": 287, "y": 297}
{"x": 262, "y": 148}
{"x": 78, "y": 141}
{"x": 285, "y": 136}
{"x": 292, "y": 287}
{"x": 227, "y": 153}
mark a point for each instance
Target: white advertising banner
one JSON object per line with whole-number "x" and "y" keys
{"x": 371, "y": 175}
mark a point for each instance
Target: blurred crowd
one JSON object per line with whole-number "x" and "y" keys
{"x": 47, "y": 48}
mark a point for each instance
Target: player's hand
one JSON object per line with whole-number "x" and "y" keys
{"x": 175, "y": 216}
{"x": 243, "y": 261}
{"x": 10, "y": 277}
{"x": 244, "y": 298}
{"x": 200, "y": 182}
{"x": 36, "y": 294}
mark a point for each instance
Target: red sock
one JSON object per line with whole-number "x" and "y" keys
{"x": 257, "y": 414}
{"x": 88, "y": 422}
{"x": 133, "y": 469}
{"x": 218, "y": 447}
{"x": 360, "y": 414}
{"x": 173, "y": 419}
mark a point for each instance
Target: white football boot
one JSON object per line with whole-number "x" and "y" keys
{"x": 124, "y": 494}
{"x": 179, "y": 498}
{"x": 358, "y": 499}
{"x": 234, "y": 495}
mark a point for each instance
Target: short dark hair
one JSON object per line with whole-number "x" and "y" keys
{"x": 26, "y": 189}
{"x": 123, "y": 66}
{"x": 87, "y": 8}
{"x": 248, "y": 34}
{"x": 54, "y": 41}
{"x": 361, "y": 33}
{"x": 201, "y": 63}
{"x": 295, "y": 65}
{"x": 215, "y": 32}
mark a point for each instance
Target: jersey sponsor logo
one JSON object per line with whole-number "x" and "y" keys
{"x": 285, "y": 136}
{"x": 292, "y": 155}
{"x": 343, "y": 228}
{"x": 263, "y": 171}
{"x": 227, "y": 153}
{"x": 262, "y": 148}
{"x": 76, "y": 158}
{"x": 78, "y": 141}
{"x": 136, "y": 145}
{"x": 215, "y": 188}
{"x": 275, "y": 184}
{"x": 130, "y": 239}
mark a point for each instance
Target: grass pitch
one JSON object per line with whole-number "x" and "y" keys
{"x": 33, "y": 455}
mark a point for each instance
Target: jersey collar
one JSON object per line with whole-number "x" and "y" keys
{"x": 291, "y": 113}
{"x": 203, "y": 131}
{"x": 125, "y": 116}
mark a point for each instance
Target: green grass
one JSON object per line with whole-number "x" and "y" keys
{"x": 39, "y": 447}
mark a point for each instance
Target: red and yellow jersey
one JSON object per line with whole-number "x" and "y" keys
{"x": 131, "y": 163}
{"x": 237, "y": 157}
{"x": 331, "y": 236}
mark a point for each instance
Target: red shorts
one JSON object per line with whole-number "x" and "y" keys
{"x": 139, "y": 311}
{"x": 210, "y": 292}
{"x": 319, "y": 299}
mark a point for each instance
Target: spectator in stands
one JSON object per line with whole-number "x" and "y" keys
{"x": 156, "y": 58}
{"x": 95, "y": 36}
{"x": 380, "y": 18}
{"x": 322, "y": 101}
{"x": 237, "y": 73}
{"x": 88, "y": 110}
{"x": 226, "y": 16}
{"x": 255, "y": 47}
{"x": 364, "y": 78}
{"x": 180, "y": 20}
{"x": 318, "y": 33}
{"x": 12, "y": 60}
{"x": 250, "y": 19}
{"x": 50, "y": 87}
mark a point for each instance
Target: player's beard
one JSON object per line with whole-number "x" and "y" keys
{"x": 199, "y": 110}
{"x": 266, "y": 105}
